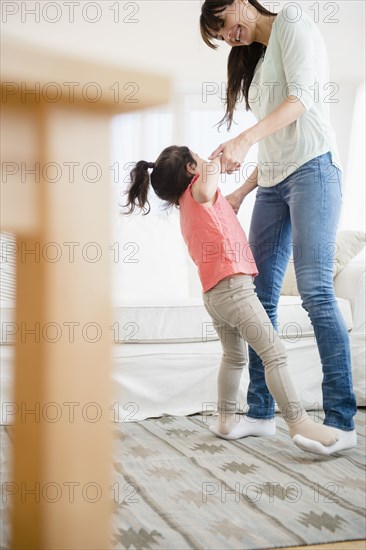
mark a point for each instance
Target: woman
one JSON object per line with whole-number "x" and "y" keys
{"x": 278, "y": 64}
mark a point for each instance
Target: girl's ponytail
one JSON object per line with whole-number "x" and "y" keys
{"x": 138, "y": 190}
{"x": 169, "y": 179}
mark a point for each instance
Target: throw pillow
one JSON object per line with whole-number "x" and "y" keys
{"x": 348, "y": 245}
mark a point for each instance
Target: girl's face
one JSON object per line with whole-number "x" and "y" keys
{"x": 197, "y": 167}
{"x": 196, "y": 157}
{"x": 238, "y": 24}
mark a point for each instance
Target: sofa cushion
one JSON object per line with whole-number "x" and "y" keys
{"x": 293, "y": 320}
{"x": 182, "y": 321}
{"x": 349, "y": 245}
{"x": 189, "y": 321}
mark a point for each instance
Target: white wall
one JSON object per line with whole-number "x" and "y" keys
{"x": 163, "y": 36}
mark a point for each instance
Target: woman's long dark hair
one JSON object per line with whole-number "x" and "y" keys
{"x": 169, "y": 179}
{"x": 242, "y": 59}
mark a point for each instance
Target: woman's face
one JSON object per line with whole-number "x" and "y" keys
{"x": 239, "y": 22}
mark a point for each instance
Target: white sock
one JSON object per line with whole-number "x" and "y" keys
{"x": 325, "y": 435}
{"x": 346, "y": 440}
{"x": 244, "y": 427}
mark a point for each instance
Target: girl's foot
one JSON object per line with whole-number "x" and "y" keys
{"x": 246, "y": 426}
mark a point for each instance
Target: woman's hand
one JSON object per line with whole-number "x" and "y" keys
{"x": 235, "y": 200}
{"x": 233, "y": 153}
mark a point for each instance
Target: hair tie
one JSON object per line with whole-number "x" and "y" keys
{"x": 150, "y": 165}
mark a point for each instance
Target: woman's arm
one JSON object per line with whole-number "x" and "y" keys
{"x": 234, "y": 151}
{"x": 205, "y": 187}
{"x": 284, "y": 114}
{"x": 236, "y": 198}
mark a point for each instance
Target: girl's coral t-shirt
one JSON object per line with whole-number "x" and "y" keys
{"x": 215, "y": 239}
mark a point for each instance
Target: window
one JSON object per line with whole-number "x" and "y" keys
{"x": 159, "y": 267}
{"x": 353, "y": 215}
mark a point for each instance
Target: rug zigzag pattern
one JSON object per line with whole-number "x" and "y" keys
{"x": 199, "y": 492}
{"x": 182, "y": 488}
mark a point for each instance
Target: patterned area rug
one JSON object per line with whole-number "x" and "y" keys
{"x": 188, "y": 489}
{"x": 182, "y": 488}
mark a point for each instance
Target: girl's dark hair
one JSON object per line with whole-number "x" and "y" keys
{"x": 242, "y": 59}
{"x": 169, "y": 179}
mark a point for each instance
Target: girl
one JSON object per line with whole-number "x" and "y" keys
{"x": 218, "y": 246}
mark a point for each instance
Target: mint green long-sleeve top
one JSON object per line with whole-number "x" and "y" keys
{"x": 295, "y": 64}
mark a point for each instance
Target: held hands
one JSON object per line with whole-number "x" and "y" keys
{"x": 233, "y": 153}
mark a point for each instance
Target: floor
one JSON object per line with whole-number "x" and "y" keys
{"x": 350, "y": 545}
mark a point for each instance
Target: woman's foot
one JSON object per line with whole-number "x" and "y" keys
{"x": 246, "y": 426}
{"x": 346, "y": 440}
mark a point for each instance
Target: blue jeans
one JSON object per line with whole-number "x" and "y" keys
{"x": 301, "y": 214}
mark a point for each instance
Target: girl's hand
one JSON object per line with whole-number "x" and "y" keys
{"x": 233, "y": 153}
{"x": 235, "y": 200}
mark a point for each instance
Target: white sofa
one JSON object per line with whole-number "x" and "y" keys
{"x": 173, "y": 368}
{"x": 166, "y": 353}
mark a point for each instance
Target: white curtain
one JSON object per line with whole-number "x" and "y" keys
{"x": 150, "y": 261}
{"x": 151, "y": 264}
{"x": 353, "y": 216}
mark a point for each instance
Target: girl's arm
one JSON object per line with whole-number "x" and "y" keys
{"x": 236, "y": 198}
{"x": 205, "y": 187}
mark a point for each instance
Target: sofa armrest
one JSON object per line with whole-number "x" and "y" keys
{"x": 350, "y": 284}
